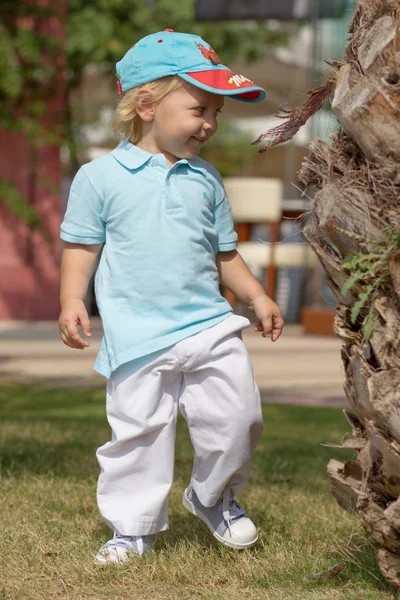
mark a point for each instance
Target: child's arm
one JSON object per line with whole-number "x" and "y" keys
{"x": 78, "y": 262}
{"x": 235, "y": 275}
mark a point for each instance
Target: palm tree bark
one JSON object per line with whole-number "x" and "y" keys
{"x": 354, "y": 228}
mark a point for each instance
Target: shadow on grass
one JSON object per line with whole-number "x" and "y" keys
{"x": 57, "y": 431}
{"x": 26, "y": 402}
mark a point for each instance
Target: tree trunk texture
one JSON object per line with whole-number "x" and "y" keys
{"x": 354, "y": 229}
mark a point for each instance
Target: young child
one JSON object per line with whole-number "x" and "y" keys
{"x": 161, "y": 220}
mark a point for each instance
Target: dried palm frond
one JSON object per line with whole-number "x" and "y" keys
{"x": 296, "y": 117}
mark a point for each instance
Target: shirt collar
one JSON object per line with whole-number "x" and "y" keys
{"x": 132, "y": 157}
{"x": 194, "y": 163}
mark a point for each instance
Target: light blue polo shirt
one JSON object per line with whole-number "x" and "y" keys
{"x": 157, "y": 281}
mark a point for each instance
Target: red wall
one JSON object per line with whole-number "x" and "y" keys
{"x": 29, "y": 263}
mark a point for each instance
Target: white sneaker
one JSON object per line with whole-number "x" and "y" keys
{"x": 227, "y": 520}
{"x": 122, "y": 547}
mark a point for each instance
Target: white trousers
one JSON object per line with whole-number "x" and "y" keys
{"x": 209, "y": 377}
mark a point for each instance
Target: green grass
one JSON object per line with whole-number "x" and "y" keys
{"x": 50, "y": 527}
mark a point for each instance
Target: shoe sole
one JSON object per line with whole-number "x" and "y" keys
{"x": 100, "y": 559}
{"x": 192, "y": 509}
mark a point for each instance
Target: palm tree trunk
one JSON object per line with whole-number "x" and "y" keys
{"x": 354, "y": 228}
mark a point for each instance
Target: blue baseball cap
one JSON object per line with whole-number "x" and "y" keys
{"x": 188, "y": 56}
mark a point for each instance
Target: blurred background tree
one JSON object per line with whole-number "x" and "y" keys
{"x": 101, "y": 31}
{"x": 98, "y": 32}
{"x": 27, "y": 68}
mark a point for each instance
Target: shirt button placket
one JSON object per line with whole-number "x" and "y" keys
{"x": 173, "y": 199}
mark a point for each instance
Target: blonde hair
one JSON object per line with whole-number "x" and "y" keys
{"x": 127, "y": 123}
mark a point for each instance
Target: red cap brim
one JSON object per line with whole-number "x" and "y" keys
{"x": 224, "y": 81}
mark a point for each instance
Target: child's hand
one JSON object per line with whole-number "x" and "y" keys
{"x": 74, "y": 313}
{"x": 270, "y": 317}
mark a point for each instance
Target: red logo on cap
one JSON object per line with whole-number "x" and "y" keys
{"x": 209, "y": 54}
{"x": 168, "y": 30}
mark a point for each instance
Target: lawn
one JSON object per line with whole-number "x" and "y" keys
{"x": 51, "y": 528}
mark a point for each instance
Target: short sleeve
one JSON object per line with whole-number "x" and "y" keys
{"x": 223, "y": 221}
{"x": 82, "y": 222}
